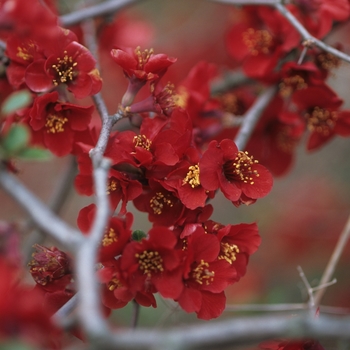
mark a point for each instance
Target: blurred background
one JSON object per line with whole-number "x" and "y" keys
{"x": 299, "y": 221}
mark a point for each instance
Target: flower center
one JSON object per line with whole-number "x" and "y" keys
{"x": 202, "y": 275}
{"x": 112, "y": 186}
{"x": 54, "y": 123}
{"x": 181, "y": 97}
{"x": 142, "y": 57}
{"x": 321, "y": 120}
{"x": 23, "y": 53}
{"x": 285, "y": 141}
{"x": 64, "y": 69}
{"x": 113, "y": 284}
{"x": 192, "y": 177}
{"x": 327, "y": 61}
{"x": 109, "y": 237}
{"x": 232, "y": 104}
{"x": 228, "y": 252}
{"x": 258, "y": 41}
{"x": 289, "y": 84}
{"x": 241, "y": 168}
{"x": 150, "y": 262}
{"x": 142, "y": 141}
{"x": 158, "y": 202}
{"x": 166, "y": 98}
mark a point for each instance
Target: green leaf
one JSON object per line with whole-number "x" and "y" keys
{"x": 15, "y": 101}
{"x": 34, "y": 154}
{"x": 16, "y": 139}
{"x": 138, "y": 235}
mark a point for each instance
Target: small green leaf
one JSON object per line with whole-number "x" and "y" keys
{"x": 16, "y": 139}
{"x": 138, "y": 235}
{"x": 15, "y": 101}
{"x": 34, "y": 154}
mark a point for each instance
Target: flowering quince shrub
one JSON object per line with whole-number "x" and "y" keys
{"x": 181, "y": 146}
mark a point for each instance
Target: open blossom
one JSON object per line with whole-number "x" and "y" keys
{"x": 238, "y": 175}
{"x": 237, "y": 243}
{"x": 318, "y": 15}
{"x": 116, "y": 235}
{"x": 115, "y": 291}
{"x": 321, "y": 115}
{"x": 260, "y": 41}
{"x": 67, "y": 62}
{"x": 154, "y": 261}
{"x": 56, "y": 124}
{"x": 23, "y": 314}
{"x": 205, "y": 277}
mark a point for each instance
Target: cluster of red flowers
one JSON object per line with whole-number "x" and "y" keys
{"x": 269, "y": 50}
{"x": 178, "y": 152}
{"x": 163, "y": 170}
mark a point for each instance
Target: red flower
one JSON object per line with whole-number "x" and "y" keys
{"x": 55, "y": 124}
{"x": 161, "y": 101}
{"x": 117, "y": 233}
{"x": 67, "y": 63}
{"x": 49, "y": 266}
{"x": 238, "y": 175}
{"x": 123, "y": 184}
{"x": 154, "y": 261}
{"x": 260, "y": 41}
{"x": 185, "y": 180}
{"x": 21, "y": 54}
{"x": 162, "y": 206}
{"x": 318, "y": 15}
{"x": 116, "y": 294}
{"x": 205, "y": 277}
{"x": 298, "y": 76}
{"x": 28, "y": 19}
{"x": 321, "y": 115}
{"x": 23, "y": 314}
{"x": 237, "y": 243}
{"x": 142, "y": 65}
{"x": 275, "y": 138}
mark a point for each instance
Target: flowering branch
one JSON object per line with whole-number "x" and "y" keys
{"x": 252, "y": 116}
{"x": 308, "y": 38}
{"x": 86, "y": 257}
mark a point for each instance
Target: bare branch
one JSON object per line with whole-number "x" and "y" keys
{"x": 307, "y": 36}
{"x": 311, "y": 303}
{"x": 230, "y": 332}
{"x": 266, "y": 307}
{"x": 89, "y": 311}
{"x": 284, "y": 308}
{"x": 104, "y": 8}
{"x": 40, "y": 213}
{"x": 338, "y": 250}
{"x": 252, "y": 116}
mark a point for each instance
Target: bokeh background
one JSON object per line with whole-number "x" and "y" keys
{"x": 299, "y": 221}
